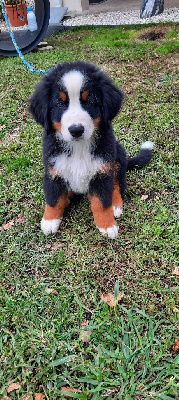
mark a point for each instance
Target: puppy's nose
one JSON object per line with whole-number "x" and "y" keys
{"x": 76, "y": 130}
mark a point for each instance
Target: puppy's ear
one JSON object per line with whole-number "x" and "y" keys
{"x": 39, "y": 103}
{"x": 112, "y": 98}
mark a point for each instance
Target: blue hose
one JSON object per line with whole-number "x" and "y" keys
{"x": 31, "y": 69}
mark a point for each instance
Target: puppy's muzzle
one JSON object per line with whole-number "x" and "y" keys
{"x": 76, "y": 131}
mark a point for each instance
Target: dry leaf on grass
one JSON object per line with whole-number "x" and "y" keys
{"x": 2, "y": 127}
{"x": 8, "y": 226}
{"x": 20, "y": 219}
{"x": 69, "y": 390}
{"x": 144, "y": 197}
{"x": 51, "y": 291}
{"x": 57, "y": 246}
{"x": 13, "y": 386}
{"x": 84, "y": 335}
{"x": 85, "y": 323}
{"x": 176, "y": 347}
{"x": 39, "y": 396}
{"x": 176, "y": 271}
{"x": 48, "y": 246}
{"x": 26, "y": 397}
{"x": 111, "y": 300}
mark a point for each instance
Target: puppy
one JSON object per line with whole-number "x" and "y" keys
{"x": 75, "y": 103}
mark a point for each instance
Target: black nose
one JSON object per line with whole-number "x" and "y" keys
{"x": 76, "y": 130}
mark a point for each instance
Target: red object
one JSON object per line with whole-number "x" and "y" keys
{"x": 17, "y": 14}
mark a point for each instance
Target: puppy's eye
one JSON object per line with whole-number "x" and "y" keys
{"x": 85, "y": 95}
{"x": 63, "y": 97}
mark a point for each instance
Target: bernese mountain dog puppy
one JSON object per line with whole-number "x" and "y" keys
{"x": 75, "y": 103}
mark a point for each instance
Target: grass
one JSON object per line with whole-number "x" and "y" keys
{"x": 131, "y": 352}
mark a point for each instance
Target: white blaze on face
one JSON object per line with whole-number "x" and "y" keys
{"x": 75, "y": 114}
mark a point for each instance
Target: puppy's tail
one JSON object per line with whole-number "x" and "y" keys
{"x": 143, "y": 158}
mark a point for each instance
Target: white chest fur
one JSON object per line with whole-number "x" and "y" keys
{"x": 79, "y": 168}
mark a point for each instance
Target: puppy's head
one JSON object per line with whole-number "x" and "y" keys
{"x": 74, "y": 99}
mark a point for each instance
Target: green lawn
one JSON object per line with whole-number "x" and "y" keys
{"x": 51, "y": 287}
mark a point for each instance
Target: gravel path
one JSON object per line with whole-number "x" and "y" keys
{"x": 122, "y": 18}
{"x": 112, "y": 18}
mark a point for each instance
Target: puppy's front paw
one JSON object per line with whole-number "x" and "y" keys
{"x": 112, "y": 232}
{"x": 50, "y": 226}
{"x": 117, "y": 211}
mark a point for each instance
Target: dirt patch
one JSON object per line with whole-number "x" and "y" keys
{"x": 153, "y": 35}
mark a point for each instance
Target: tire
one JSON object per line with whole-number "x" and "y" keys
{"x": 25, "y": 39}
{"x": 151, "y": 8}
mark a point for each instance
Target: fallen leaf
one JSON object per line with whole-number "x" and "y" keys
{"x": 20, "y": 219}
{"x": 84, "y": 335}
{"x": 48, "y": 246}
{"x": 13, "y": 386}
{"x": 69, "y": 390}
{"x": 8, "y": 226}
{"x": 176, "y": 271}
{"x": 7, "y": 398}
{"x": 57, "y": 246}
{"x": 85, "y": 323}
{"x": 49, "y": 291}
{"x": 176, "y": 347}
{"x": 26, "y": 397}
{"x": 39, "y": 396}
{"x": 14, "y": 122}
{"x": 144, "y": 197}
{"x": 110, "y": 299}
{"x": 2, "y": 127}
{"x": 26, "y": 371}
{"x": 25, "y": 113}
{"x": 157, "y": 198}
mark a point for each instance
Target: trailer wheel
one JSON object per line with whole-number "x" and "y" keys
{"x": 25, "y": 39}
